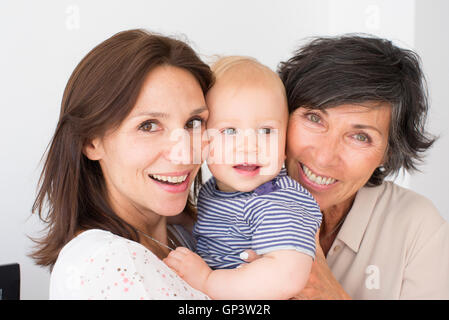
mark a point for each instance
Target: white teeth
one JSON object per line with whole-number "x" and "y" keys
{"x": 171, "y": 179}
{"x": 317, "y": 179}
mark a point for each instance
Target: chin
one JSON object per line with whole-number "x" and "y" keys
{"x": 246, "y": 188}
{"x": 170, "y": 207}
{"x": 168, "y": 211}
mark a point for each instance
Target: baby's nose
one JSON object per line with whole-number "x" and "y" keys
{"x": 247, "y": 146}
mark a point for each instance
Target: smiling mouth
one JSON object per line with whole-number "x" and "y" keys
{"x": 320, "y": 180}
{"x": 171, "y": 180}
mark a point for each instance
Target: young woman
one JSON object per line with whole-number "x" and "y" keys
{"x": 111, "y": 178}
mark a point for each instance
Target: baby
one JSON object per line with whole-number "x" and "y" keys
{"x": 250, "y": 202}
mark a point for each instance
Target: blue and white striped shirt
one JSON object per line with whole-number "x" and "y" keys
{"x": 280, "y": 214}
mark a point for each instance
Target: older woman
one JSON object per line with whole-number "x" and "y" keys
{"x": 358, "y": 107}
{"x": 110, "y": 179}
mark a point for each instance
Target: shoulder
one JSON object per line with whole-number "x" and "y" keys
{"x": 88, "y": 248}
{"x": 287, "y": 195}
{"x": 100, "y": 265}
{"x": 78, "y": 259}
{"x": 402, "y": 211}
{"x": 87, "y": 243}
{"x": 207, "y": 189}
{"x": 403, "y": 203}
{"x": 283, "y": 189}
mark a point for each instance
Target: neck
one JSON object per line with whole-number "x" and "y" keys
{"x": 332, "y": 220}
{"x": 224, "y": 187}
{"x": 154, "y": 230}
{"x": 145, "y": 221}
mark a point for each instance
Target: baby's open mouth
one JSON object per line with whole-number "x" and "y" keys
{"x": 247, "y": 167}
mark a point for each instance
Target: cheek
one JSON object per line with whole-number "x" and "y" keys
{"x": 295, "y": 140}
{"x": 132, "y": 157}
{"x": 271, "y": 150}
{"x": 362, "y": 164}
{"x": 221, "y": 150}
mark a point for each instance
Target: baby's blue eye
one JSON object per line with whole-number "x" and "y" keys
{"x": 229, "y": 131}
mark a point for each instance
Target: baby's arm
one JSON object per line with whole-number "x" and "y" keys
{"x": 276, "y": 275}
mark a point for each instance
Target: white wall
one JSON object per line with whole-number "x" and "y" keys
{"x": 432, "y": 43}
{"x": 42, "y": 41}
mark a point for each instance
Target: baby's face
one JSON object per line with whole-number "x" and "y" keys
{"x": 247, "y": 128}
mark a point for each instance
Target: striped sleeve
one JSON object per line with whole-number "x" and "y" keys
{"x": 285, "y": 219}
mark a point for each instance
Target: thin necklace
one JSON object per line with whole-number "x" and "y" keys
{"x": 336, "y": 228}
{"x": 158, "y": 242}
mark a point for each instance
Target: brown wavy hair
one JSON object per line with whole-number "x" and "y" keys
{"x": 99, "y": 95}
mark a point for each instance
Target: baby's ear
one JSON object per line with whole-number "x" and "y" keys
{"x": 93, "y": 149}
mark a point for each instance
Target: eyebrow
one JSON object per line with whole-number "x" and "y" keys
{"x": 198, "y": 111}
{"x": 166, "y": 115}
{"x": 363, "y": 126}
{"x": 357, "y": 126}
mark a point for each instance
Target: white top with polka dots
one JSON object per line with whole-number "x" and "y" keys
{"x": 98, "y": 264}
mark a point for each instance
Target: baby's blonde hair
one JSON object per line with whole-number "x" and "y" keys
{"x": 243, "y": 68}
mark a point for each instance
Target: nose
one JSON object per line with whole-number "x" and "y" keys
{"x": 327, "y": 151}
{"x": 179, "y": 148}
{"x": 247, "y": 146}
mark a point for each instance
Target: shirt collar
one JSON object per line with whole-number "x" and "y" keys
{"x": 358, "y": 217}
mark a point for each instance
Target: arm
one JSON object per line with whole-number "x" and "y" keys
{"x": 322, "y": 284}
{"x": 283, "y": 273}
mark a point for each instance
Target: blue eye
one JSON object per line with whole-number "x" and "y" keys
{"x": 229, "y": 131}
{"x": 149, "y": 126}
{"x": 264, "y": 131}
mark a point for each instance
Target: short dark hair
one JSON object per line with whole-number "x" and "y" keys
{"x": 352, "y": 69}
{"x": 99, "y": 95}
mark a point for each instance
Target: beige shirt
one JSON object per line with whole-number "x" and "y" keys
{"x": 392, "y": 245}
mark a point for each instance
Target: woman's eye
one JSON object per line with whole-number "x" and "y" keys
{"x": 149, "y": 126}
{"x": 194, "y": 123}
{"x": 264, "y": 131}
{"x": 229, "y": 131}
{"x": 361, "y": 137}
{"x": 313, "y": 117}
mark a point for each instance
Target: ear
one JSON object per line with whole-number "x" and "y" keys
{"x": 93, "y": 149}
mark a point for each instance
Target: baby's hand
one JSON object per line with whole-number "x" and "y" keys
{"x": 189, "y": 266}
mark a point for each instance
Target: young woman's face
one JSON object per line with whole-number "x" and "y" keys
{"x": 148, "y": 162}
{"x": 334, "y": 152}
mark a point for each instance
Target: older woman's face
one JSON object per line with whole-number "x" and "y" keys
{"x": 148, "y": 161}
{"x": 334, "y": 152}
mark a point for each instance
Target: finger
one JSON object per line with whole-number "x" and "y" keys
{"x": 183, "y": 250}
{"x": 174, "y": 264}
{"x": 249, "y": 256}
{"x": 177, "y": 254}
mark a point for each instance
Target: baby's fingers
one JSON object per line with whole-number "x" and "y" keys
{"x": 173, "y": 261}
